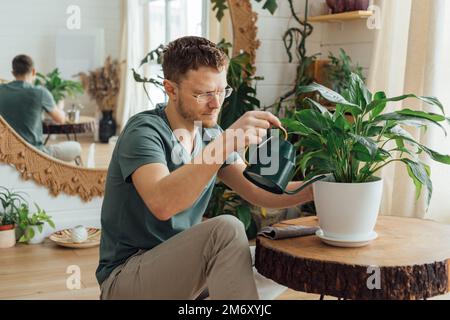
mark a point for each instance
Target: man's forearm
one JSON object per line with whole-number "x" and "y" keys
{"x": 187, "y": 182}
{"x": 270, "y": 200}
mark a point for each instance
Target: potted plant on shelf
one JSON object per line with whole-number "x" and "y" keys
{"x": 352, "y": 153}
{"x": 339, "y": 71}
{"x": 58, "y": 87}
{"x": 103, "y": 85}
{"x": 11, "y": 202}
{"x": 32, "y": 225}
{"x": 339, "y": 6}
{"x": 309, "y": 68}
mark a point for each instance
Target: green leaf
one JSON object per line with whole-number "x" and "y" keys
{"x": 410, "y": 115}
{"x": 270, "y": 5}
{"x": 343, "y": 109}
{"x": 220, "y": 6}
{"x": 380, "y": 103}
{"x": 368, "y": 143}
{"x": 361, "y": 153}
{"x": 307, "y": 156}
{"x": 313, "y": 120}
{"x": 421, "y": 114}
{"x": 310, "y": 142}
{"x": 359, "y": 92}
{"x": 326, "y": 93}
{"x": 296, "y": 127}
{"x": 154, "y": 55}
{"x": 244, "y": 214}
{"x": 399, "y": 133}
{"x": 342, "y": 123}
{"x": 420, "y": 175}
{"x": 317, "y": 106}
{"x": 429, "y": 100}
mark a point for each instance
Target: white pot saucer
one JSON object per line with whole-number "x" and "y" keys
{"x": 346, "y": 243}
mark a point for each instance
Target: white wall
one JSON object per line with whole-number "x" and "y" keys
{"x": 30, "y": 27}
{"x": 66, "y": 211}
{"x": 272, "y": 60}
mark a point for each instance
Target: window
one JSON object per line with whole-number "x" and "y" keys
{"x": 169, "y": 20}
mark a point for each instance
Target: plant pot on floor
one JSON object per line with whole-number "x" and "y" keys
{"x": 107, "y": 126}
{"x": 348, "y": 212}
{"x": 7, "y": 236}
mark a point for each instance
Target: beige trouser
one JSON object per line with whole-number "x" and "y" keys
{"x": 213, "y": 254}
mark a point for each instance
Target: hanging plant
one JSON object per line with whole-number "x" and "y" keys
{"x": 221, "y": 5}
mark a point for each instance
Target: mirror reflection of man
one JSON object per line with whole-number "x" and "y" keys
{"x": 154, "y": 244}
{"x": 22, "y": 104}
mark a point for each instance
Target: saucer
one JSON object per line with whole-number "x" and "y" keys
{"x": 346, "y": 243}
{"x": 64, "y": 238}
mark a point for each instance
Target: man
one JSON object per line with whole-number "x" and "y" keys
{"x": 153, "y": 244}
{"x": 22, "y": 104}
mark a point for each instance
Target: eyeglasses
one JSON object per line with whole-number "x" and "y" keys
{"x": 207, "y": 97}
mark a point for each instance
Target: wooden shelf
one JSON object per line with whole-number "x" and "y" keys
{"x": 345, "y": 16}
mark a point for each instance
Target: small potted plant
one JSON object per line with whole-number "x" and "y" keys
{"x": 353, "y": 152}
{"x": 32, "y": 225}
{"x": 10, "y": 202}
{"x": 58, "y": 87}
{"x": 7, "y": 230}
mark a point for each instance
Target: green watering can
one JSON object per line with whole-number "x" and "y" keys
{"x": 271, "y": 165}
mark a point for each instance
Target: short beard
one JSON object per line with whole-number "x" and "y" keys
{"x": 188, "y": 115}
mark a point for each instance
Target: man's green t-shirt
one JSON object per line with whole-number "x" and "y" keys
{"x": 127, "y": 224}
{"x": 21, "y": 105}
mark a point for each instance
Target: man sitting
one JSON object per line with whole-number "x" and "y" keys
{"x": 21, "y": 105}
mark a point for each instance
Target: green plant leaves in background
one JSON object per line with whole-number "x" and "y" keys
{"x": 59, "y": 88}
{"x": 221, "y": 5}
{"x": 244, "y": 214}
{"x": 270, "y": 5}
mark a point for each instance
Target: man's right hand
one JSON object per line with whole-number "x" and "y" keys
{"x": 252, "y": 127}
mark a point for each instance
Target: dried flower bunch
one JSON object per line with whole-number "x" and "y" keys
{"x": 103, "y": 84}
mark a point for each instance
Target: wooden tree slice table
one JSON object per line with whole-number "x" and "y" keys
{"x": 411, "y": 257}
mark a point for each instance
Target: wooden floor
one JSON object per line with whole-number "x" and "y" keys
{"x": 39, "y": 272}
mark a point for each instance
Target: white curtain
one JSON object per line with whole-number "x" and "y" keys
{"x": 412, "y": 55}
{"x": 135, "y": 45}
{"x": 219, "y": 30}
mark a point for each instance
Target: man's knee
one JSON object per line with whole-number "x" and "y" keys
{"x": 66, "y": 151}
{"x": 230, "y": 227}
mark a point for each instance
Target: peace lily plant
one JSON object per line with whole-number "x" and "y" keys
{"x": 351, "y": 145}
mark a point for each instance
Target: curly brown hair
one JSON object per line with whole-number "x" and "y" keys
{"x": 191, "y": 53}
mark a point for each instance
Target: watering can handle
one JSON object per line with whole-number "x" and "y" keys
{"x": 305, "y": 184}
{"x": 285, "y": 138}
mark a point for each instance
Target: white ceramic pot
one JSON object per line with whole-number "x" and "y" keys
{"x": 38, "y": 236}
{"x": 347, "y": 211}
{"x": 7, "y": 238}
